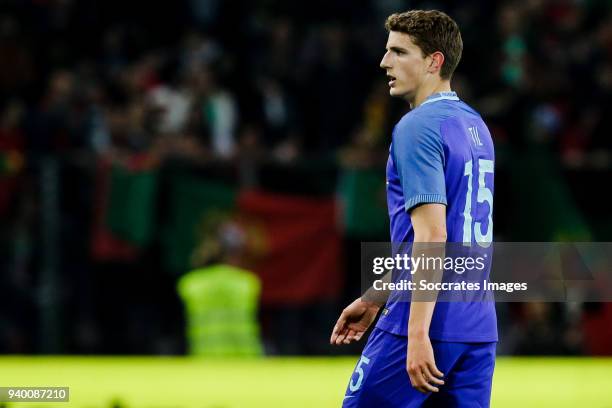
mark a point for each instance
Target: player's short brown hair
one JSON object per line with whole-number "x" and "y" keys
{"x": 431, "y": 31}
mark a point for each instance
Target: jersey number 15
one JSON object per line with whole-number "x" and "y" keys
{"x": 484, "y": 195}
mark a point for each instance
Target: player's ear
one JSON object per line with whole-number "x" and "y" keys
{"x": 437, "y": 59}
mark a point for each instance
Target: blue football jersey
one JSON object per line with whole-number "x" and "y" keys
{"x": 442, "y": 152}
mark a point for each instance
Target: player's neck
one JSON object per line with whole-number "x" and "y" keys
{"x": 429, "y": 89}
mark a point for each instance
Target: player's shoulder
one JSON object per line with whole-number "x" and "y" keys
{"x": 419, "y": 118}
{"x": 418, "y": 124}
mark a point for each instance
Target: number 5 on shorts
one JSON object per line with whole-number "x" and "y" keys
{"x": 359, "y": 370}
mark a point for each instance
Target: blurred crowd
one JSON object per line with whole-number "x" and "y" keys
{"x": 234, "y": 82}
{"x": 206, "y": 79}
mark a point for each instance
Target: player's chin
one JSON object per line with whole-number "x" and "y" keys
{"x": 395, "y": 91}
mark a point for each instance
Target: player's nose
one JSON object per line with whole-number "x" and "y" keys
{"x": 384, "y": 63}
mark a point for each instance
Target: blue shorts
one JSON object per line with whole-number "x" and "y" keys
{"x": 380, "y": 378}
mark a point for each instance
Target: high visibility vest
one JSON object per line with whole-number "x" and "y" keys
{"x": 221, "y": 309}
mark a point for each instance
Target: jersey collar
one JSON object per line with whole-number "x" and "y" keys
{"x": 440, "y": 96}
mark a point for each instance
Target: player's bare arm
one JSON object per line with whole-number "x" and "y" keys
{"x": 429, "y": 222}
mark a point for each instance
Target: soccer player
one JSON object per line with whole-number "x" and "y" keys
{"x": 439, "y": 189}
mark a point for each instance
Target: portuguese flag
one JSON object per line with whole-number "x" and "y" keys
{"x": 125, "y": 211}
{"x": 300, "y": 262}
{"x": 298, "y": 256}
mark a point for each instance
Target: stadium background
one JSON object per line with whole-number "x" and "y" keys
{"x": 135, "y": 135}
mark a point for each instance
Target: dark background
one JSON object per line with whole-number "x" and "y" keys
{"x": 285, "y": 98}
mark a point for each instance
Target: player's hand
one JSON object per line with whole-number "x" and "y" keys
{"x": 421, "y": 365}
{"x": 354, "y": 322}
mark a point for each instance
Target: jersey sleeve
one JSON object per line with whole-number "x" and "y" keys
{"x": 418, "y": 154}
